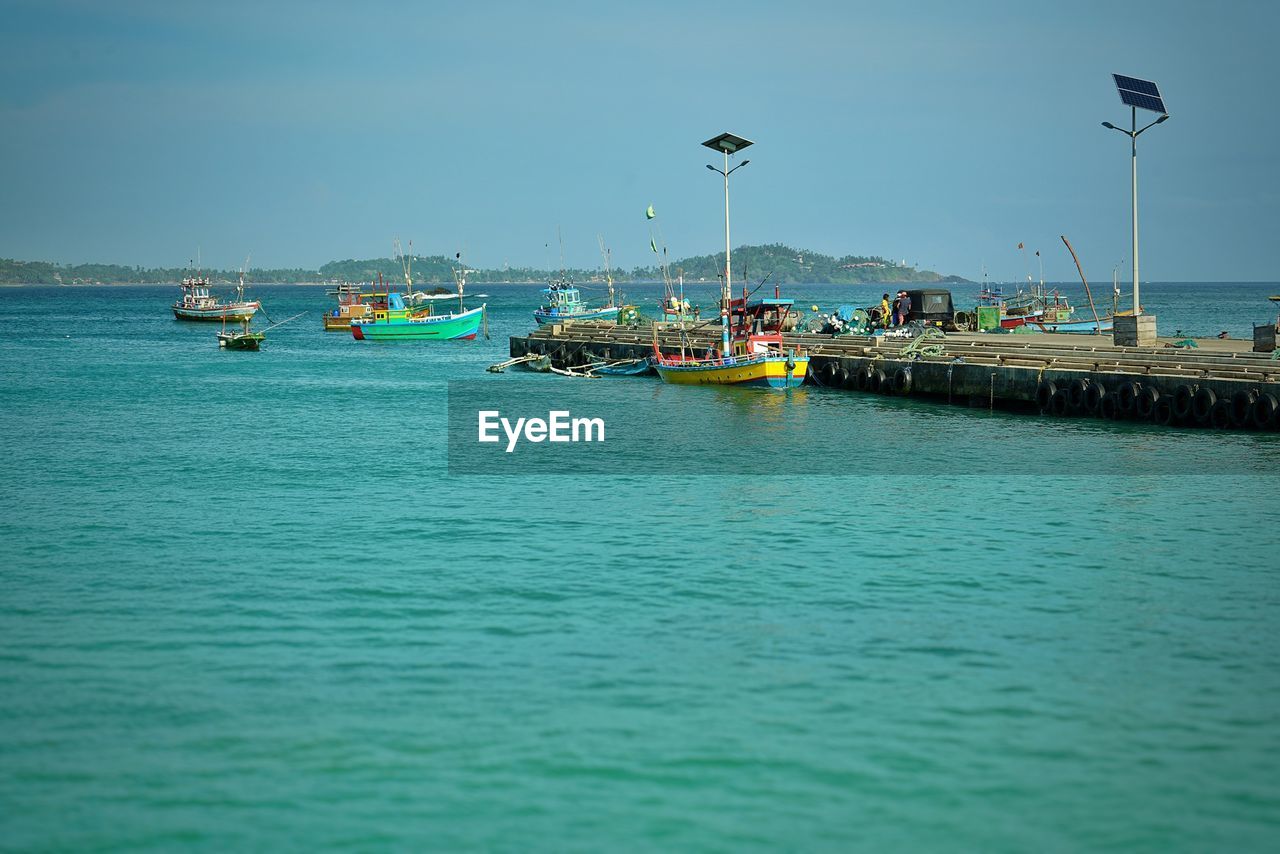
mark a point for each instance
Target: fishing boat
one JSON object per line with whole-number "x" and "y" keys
{"x": 245, "y": 338}
{"x": 241, "y": 339}
{"x": 1081, "y": 326}
{"x": 624, "y": 368}
{"x": 198, "y": 303}
{"x": 565, "y": 302}
{"x": 354, "y": 302}
{"x": 400, "y": 321}
{"x": 752, "y": 352}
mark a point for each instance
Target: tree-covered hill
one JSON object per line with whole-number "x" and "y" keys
{"x": 753, "y": 262}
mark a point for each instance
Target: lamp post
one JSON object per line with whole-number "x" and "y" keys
{"x": 1137, "y": 94}
{"x": 1133, "y": 169}
{"x": 727, "y": 143}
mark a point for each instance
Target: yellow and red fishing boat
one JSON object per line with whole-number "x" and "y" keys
{"x": 751, "y": 353}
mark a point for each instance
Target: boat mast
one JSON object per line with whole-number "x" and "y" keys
{"x": 608, "y": 272}
{"x": 460, "y": 275}
{"x": 405, "y": 265}
{"x": 240, "y": 287}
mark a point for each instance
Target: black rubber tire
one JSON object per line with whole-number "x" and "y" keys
{"x": 1264, "y": 411}
{"x": 1108, "y": 409}
{"x": 876, "y": 382}
{"x": 1127, "y": 397}
{"x": 1077, "y": 392}
{"x": 1184, "y": 398}
{"x": 1163, "y": 413}
{"x": 1060, "y": 403}
{"x": 863, "y": 379}
{"x": 1044, "y": 394}
{"x": 827, "y": 375}
{"x": 1220, "y": 415}
{"x": 1203, "y": 404}
{"x": 850, "y": 380}
{"x": 902, "y": 381}
{"x": 1242, "y": 407}
{"x": 1093, "y": 398}
{"x": 1145, "y": 403}
{"x": 839, "y": 377}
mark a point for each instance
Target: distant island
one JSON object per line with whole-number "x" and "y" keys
{"x": 782, "y": 264}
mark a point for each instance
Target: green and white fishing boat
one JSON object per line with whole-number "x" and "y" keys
{"x": 400, "y": 321}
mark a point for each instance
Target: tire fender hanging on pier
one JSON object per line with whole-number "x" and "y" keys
{"x": 1044, "y": 394}
{"x": 1264, "y": 411}
{"x": 902, "y": 381}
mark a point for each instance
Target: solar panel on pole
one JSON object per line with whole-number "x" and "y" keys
{"x": 1143, "y": 94}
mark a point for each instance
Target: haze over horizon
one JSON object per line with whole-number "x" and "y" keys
{"x": 941, "y": 135}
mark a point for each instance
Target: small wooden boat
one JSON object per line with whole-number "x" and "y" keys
{"x": 624, "y": 368}
{"x": 354, "y": 302}
{"x": 246, "y": 338}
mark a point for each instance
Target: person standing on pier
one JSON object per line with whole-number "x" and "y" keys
{"x": 901, "y": 308}
{"x": 885, "y": 313}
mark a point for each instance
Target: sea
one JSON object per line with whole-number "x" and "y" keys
{"x": 246, "y": 604}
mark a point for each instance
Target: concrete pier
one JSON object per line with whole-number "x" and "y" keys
{"x": 1219, "y": 383}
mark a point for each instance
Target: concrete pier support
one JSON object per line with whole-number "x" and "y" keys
{"x": 1134, "y": 330}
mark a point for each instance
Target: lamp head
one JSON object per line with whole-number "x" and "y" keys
{"x": 1109, "y": 126}
{"x": 1162, "y": 119}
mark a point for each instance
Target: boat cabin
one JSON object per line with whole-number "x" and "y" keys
{"x": 562, "y": 298}
{"x": 757, "y": 326}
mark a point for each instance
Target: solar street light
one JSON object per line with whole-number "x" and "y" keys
{"x": 1137, "y": 95}
{"x": 727, "y": 144}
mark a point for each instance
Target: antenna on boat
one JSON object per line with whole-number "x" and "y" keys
{"x": 560, "y": 237}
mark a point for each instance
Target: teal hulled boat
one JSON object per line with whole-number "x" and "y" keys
{"x": 398, "y": 322}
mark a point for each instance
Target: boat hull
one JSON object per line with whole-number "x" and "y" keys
{"x": 1079, "y": 327}
{"x": 240, "y": 340}
{"x": 444, "y": 327}
{"x": 595, "y": 314}
{"x": 765, "y": 373}
{"x": 336, "y": 324}
{"x": 235, "y": 313}
{"x": 630, "y": 368}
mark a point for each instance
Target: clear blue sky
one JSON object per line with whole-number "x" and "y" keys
{"x": 943, "y": 133}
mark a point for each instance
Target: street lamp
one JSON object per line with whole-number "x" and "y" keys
{"x": 1145, "y": 95}
{"x": 728, "y": 144}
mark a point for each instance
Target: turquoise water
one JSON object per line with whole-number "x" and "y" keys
{"x": 244, "y": 605}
